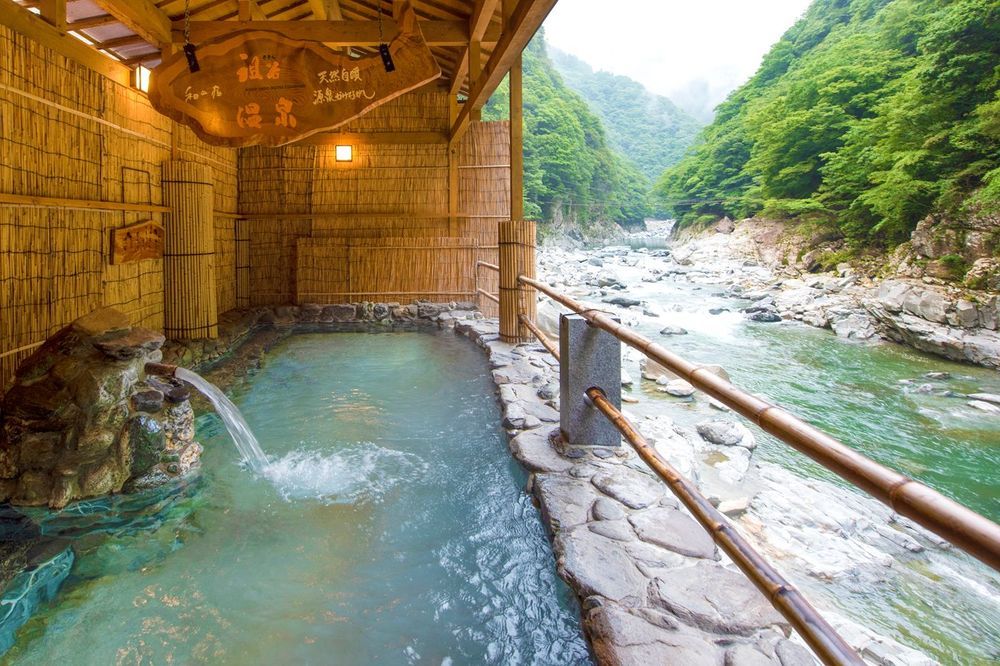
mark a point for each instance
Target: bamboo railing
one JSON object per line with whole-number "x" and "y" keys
{"x": 970, "y": 531}
{"x": 785, "y": 597}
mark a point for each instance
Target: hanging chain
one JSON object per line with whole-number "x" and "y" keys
{"x": 187, "y": 22}
{"x": 381, "y": 40}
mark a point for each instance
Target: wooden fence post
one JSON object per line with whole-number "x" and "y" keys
{"x": 189, "y": 298}
{"x": 517, "y": 257}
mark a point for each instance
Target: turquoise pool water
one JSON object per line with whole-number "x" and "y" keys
{"x": 392, "y": 528}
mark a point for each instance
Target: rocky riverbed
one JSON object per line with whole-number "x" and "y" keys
{"x": 895, "y": 591}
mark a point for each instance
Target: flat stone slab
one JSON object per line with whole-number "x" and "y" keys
{"x": 533, "y": 450}
{"x": 564, "y": 500}
{"x": 136, "y": 342}
{"x": 633, "y": 489}
{"x": 625, "y": 639}
{"x": 715, "y": 598}
{"x": 100, "y": 322}
{"x": 674, "y": 530}
{"x": 594, "y": 564}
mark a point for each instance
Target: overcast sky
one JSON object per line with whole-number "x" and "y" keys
{"x": 695, "y": 52}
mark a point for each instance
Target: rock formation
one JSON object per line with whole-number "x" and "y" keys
{"x": 82, "y": 420}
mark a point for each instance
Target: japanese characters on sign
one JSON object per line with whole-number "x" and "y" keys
{"x": 143, "y": 240}
{"x": 257, "y": 87}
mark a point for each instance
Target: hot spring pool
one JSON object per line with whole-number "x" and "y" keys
{"x": 392, "y": 528}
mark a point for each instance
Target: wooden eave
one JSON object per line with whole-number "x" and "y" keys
{"x": 114, "y": 36}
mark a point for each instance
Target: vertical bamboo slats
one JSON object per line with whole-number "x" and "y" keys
{"x": 188, "y": 256}
{"x": 66, "y": 132}
{"x": 484, "y": 190}
{"x": 360, "y": 228}
{"x": 517, "y": 257}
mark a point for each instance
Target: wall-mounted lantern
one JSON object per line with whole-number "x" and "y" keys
{"x": 141, "y": 78}
{"x": 345, "y": 153}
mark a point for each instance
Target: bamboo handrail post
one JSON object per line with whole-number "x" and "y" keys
{"x": 785, "y": 597}
{"x": 970, "y": 531}
{"x": 517, "y": 257}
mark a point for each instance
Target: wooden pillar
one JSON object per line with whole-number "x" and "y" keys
{"x": 189, "y": 299}
{"x": 517, "y": 257}
{"x": 516, "y": 143}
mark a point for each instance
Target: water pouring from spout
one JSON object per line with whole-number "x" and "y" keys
{"x": 239, "y": 430}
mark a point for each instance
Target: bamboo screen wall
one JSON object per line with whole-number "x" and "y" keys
{"x": 376, "y": 228}
{"x": 67, "y": 132}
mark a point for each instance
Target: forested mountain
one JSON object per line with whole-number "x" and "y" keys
{"x": 571, "y": 173}
{"x": 867, "y": 113}
{"x": 649, "y": 130}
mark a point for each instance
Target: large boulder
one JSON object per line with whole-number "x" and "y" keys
{"x": 82, "y": 419}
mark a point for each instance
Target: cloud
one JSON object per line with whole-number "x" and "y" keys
{"x": 674, "y": 47}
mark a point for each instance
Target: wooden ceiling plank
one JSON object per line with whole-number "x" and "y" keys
{"x": 524, "y": 23}
{"x": 20, "y": 20}
{"x": 141, "y": 17}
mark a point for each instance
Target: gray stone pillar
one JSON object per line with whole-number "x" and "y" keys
{"x": 589, "y": 357}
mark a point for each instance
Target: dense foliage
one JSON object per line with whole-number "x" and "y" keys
{"x": 867, "y": 113}
{"x": 649, "y": 130}
{"x": 570, "y": 172}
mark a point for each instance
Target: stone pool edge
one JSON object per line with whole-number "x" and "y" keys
{"x": 651, "y": 585}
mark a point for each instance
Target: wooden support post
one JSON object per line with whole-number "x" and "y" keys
{"x": 190, "y": 308}
{"x": 54, "y": 11}
{"x": 475, "y": 70}
{"x": 517, "y": 257}
{"x": 516, "y": 143}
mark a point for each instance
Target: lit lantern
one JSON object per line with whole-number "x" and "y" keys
{"x": 345, "y": 153}
{"x": 142, "y": 78}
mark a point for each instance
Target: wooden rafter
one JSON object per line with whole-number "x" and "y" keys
{"x": 326, "y": 10}
{"x": 339, "y": 33}
{"x": 91, "y": 22}
{"x": 479, "y": 22}
{"x": 524, "y": 22}
{"x": 141, "y": 17}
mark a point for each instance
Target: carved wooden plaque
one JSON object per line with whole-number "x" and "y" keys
{"x": 143, "y": 240}
{"x": 258, "y": 87}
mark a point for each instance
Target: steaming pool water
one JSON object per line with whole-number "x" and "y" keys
{"x": 390, "y": 527}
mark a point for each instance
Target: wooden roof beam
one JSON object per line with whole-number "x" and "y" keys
{"x": 337, "y": 33}
{"x": 141, "y": 17}
{"x": 91, "y": 22}
{"x": 326, "y": 10}
{"x": 20, "y": 20}
{"x": 479, "y": 22}
{"x": 524, "y": 22}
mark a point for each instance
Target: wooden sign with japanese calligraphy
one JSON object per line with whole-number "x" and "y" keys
{"x": 258, "y": 87}
{"x": 136, "y": 242}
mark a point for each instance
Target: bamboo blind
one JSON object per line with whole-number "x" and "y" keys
{"x": 484, "y": 189}
{"x": 188, "y": 254}
{"x": 388, "y": 193}
{"x": 331, "y": 270}
{"x": 517, "y": 257}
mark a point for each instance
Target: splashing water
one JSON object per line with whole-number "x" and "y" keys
{"x": 356, "y": 473}
{"x": 230, "y": 414}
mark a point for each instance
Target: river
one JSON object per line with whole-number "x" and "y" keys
{"x": 876, "y": 397}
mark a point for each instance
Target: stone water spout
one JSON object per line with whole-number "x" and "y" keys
{"x": 244, "y": 439}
